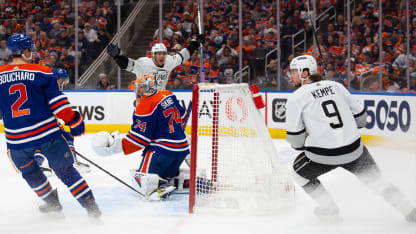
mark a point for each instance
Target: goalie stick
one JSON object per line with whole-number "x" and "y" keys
{"x": 186, "y": 118}
{"x": 108, "y": 173}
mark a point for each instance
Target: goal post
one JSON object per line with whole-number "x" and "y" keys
{"x": 234, "y": 164}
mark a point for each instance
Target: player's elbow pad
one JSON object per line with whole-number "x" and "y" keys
{"x": 361, "y": 119}
{"x": 122, "y": 61}
{"x": 296, "y": 139}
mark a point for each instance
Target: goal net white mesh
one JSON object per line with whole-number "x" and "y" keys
{"x": 237, "y": 169}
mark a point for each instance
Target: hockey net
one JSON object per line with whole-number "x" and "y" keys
{"x": 234, "y": 164}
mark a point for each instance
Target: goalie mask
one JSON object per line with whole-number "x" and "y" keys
{"x": 156, "y": 48}
{"x": 145, "y": 85}
{"x": 303, "y": 62}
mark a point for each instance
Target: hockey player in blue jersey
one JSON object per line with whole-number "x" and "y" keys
{"x": 63, "y": 79}
{"x": 157, "y": 129}
{"x": 30, "y": 104}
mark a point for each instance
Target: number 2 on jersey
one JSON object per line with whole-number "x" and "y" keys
{"x": 333, "y": 113}
{"x": 174, "y": 115}
{"x": 21, "y": 89}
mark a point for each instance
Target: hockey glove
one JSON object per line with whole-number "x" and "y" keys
{"x": 77, "y": 126}
{"x": 194, "y": 44}
{"x": 106, "y": 144}
{"x": 200, "y": 38}
{"x": 113, "y": 50}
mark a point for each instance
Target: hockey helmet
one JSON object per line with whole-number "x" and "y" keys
{"x": 17, "y": 43}
{"x": 147, "y": 81}
{"x": 158, "y": 47}
{"x": 303, "y": 62}
{"x": 60, "y": 73}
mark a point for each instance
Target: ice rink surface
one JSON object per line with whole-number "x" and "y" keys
{"x": 124, "y": 212}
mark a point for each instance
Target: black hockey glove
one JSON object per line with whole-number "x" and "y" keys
{"x": 194, "y": 44}
{"x": 113, "y": 50}
{"x": 200, "y": 38}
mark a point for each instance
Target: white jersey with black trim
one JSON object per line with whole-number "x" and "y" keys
{"x": 322, "y": 118}
{"x": 161, "y": 74}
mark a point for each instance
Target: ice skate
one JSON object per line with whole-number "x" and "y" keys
{"x": 53, "y": 206}
{"x": 92, "y": 208}
{"x": 82, "y": 167}
{"x": 328, "y": 214}
{"x": 411, "y": 217}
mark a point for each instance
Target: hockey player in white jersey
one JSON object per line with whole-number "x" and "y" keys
{"x": 160, "y": 64}
{"x": 322, "y": 121}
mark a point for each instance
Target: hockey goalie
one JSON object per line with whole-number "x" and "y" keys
{"x": 157, "y": 129}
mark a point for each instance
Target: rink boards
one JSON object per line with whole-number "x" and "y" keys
{"x": 389, "y": 115}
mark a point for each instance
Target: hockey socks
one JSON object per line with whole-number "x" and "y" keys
{"x": 39, "y": 184}
{"x": 74, "y": 181}
{"x": 79, "y": 189}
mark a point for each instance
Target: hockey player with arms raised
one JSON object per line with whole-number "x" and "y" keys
{"x": 30, "y": 104}
{"x": 322, "y": 121}
{"x": 160, "y": 65}
{"x": 157, "y": 129}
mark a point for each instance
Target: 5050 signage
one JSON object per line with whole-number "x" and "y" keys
{"x": 392, "y": 115}
{"x": 389, "y": 115}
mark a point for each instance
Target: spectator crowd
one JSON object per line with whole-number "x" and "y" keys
{"x": 51, "y": 25}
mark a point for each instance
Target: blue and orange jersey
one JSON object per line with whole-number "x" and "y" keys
{"x": 158, "y": 126}
{"x": 30, "y": 102}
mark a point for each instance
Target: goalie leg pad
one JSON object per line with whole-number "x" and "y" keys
{"x": 181, "y": 181}
{"x": 151, "y": 185}
{"x": 146, "y": 183}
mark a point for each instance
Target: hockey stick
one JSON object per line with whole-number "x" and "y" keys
{"x": 108, "y": 173}
{"x": 185, "y": 122}
{"x": 200, "y": 44}
{"x": 319, "y": 47}
{"x": 186, "y": 118}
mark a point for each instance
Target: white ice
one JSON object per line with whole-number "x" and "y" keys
{"x": 124, "y": 212}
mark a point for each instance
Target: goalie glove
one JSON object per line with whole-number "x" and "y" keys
{"x": 106, "y": 144}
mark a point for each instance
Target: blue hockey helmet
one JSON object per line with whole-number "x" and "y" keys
{"x": 17, "y": 43}
{"x": 61, "y": 77}
{"x": 60, "y": 73}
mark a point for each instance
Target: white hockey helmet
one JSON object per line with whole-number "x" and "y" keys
{"x": 158, "y": 47}
{"x": 304, "y": 62}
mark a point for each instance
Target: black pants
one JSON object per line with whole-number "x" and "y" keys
{"x": 364, "y": 167}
